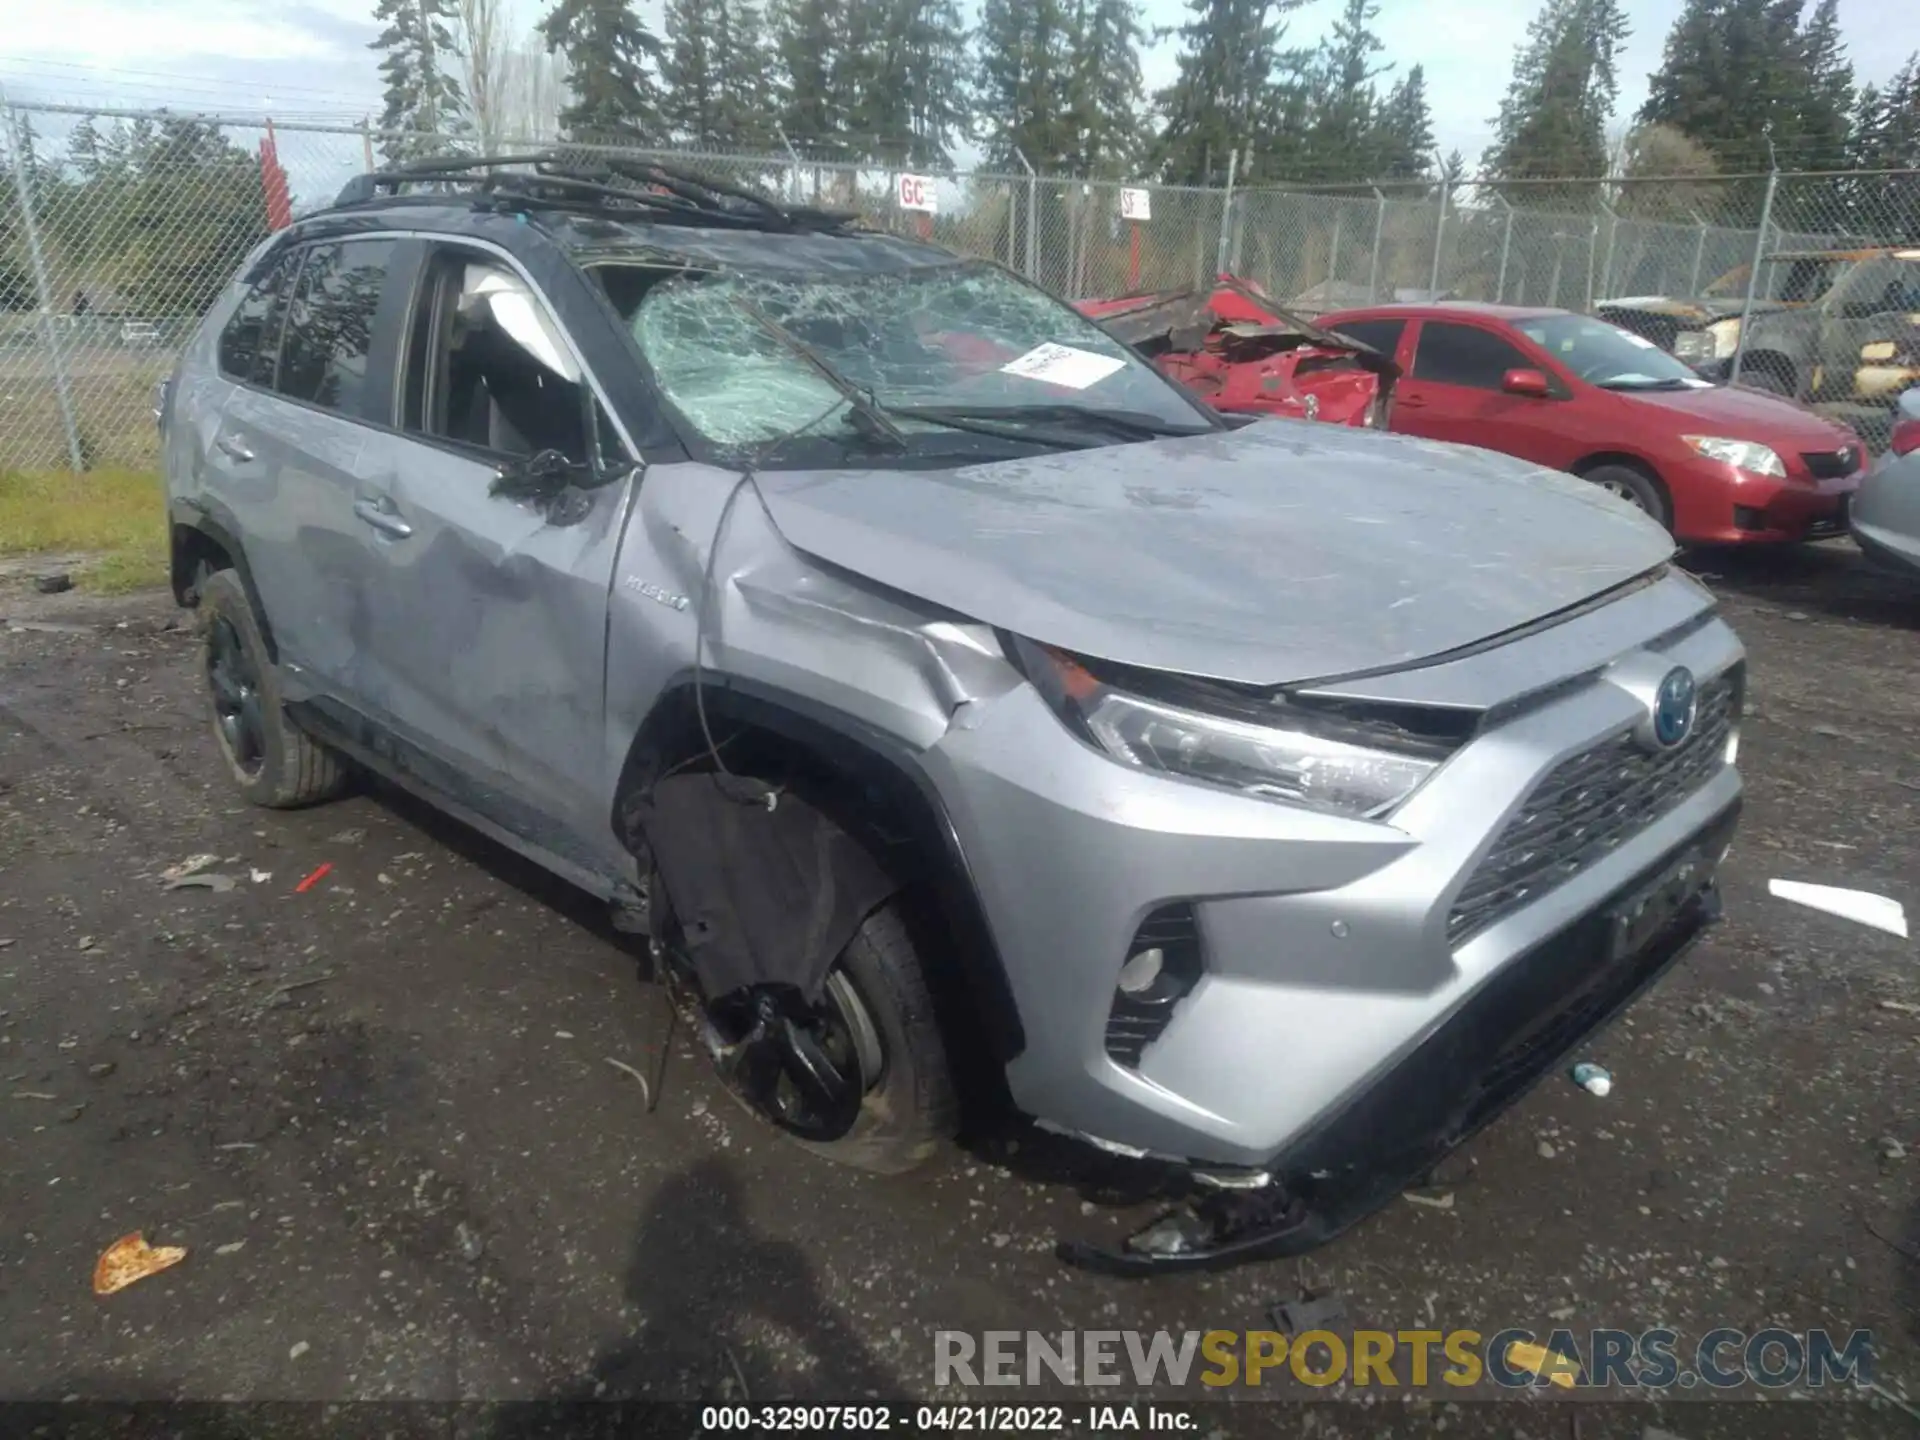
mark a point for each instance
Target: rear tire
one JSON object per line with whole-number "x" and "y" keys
{"x": 1635, "y": 487}
{"x": 1768, "y": 376}
{"x": 274, "y": 762}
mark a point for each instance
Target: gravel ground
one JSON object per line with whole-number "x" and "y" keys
{"x": 382, "y": 1115}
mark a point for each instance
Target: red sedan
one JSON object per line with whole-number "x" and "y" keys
{"x": 1713, "y": 463}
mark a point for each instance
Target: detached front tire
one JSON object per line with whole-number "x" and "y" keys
{"x": 274, "y": 762}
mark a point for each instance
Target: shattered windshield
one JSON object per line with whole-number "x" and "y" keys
{"x": 964, "y": 342}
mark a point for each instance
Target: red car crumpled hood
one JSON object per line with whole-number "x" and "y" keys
{"x": 1743, "y": 414}
{"x": 1242, "y": 354}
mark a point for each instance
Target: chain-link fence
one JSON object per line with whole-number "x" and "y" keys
{"x": 119, "y": 228}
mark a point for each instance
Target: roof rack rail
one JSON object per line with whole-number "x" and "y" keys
{"x": 609, "y": 185}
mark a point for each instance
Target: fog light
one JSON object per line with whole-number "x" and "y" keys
{"x": 1141, "y": 970}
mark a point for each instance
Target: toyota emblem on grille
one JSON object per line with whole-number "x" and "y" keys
{"x": 1673, "y": 707}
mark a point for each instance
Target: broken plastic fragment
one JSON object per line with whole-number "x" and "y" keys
{"x": 130, "y": 1258}
{"x": 1556, "y": 1368}
{"x": 319, "y": 874}
{"x": 1594, "y": 1079}
{"x": 192, "y": 865}
{"x": 203, "y": 880}
{"x": 1862, "y": 906}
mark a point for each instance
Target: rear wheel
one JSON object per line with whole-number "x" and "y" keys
{"x": 273, "y": 761}
{"x": 1773, "y": 376}
{"x": 1636, "y": 487}
{"x": 858, "y": 1075}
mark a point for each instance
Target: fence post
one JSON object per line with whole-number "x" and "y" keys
{"x": 1699, "y": 254}
{"x": 1753, "y": 270}
{"x": 1033, "y": 215}
{"x": 793, "y": 163}
{"x": 1506, "y": 247}
{"x": 1593, "y": 254}
{"x": 23, "y": 186}
{"x": 1613, "y": 246}
{"x": 1439, "y": 237}
{"x": 366, "y": 142}
{"x": 1379, "y": 225}
{"x": 1226, "y": 214}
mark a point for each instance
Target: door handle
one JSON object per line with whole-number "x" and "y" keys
{"x": 376, "y": 514}
{"x": 232, "y": 449}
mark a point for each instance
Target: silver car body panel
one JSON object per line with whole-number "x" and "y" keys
{"x": 527, "y": 655}
{"x": 1885, "y": 514}
{"x": 1234, "y": 556}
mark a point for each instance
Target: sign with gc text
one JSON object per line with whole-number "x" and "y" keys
{"x": 1136, "y": 205}
{"x": 916, "y": 193}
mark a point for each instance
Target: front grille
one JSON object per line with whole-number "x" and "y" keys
{"x": 1832, "y": 464}
{"x": 1590, "y": 805}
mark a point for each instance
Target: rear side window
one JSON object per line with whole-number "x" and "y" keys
{"x": 1463, "y": 355}
{"x": 323, "y": 358}
{"x": 1382, "y": 335}
{"x": 251, "y": 341}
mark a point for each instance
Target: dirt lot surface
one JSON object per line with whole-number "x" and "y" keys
{"x": 382, "y": 1116}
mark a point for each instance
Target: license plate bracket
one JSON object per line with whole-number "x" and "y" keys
{"x": 1635, "y": 920}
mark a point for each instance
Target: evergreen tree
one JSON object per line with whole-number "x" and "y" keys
{"x": 1738, "y": 73}
{"x": 1552, "y": 123}
{"x": 1825, "y": 111}
{"x": 420, "y": 73}
{"x": 907, "y": 81}
{"x": 1343, "y": 134}
{"x": 715, "y": 75}
{"x": 1403, "y": 131}
{"x": 812, "y": 60}
{"x": 1223, "y": 98}
{"x": 1886, "y": 137}
{"x": 1023, "y": 83}
{"x": 1106, "y": 93}
{"x": 608, "y": 50}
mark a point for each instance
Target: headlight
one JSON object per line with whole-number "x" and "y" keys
{"x": 1692, "y": 346}
{"x": 1294, "y": 764}
{"x": 1726, "y": 338}
{"x": 1749, "y": 455}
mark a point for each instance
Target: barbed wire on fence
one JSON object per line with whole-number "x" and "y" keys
{"x": 119, "y": 227}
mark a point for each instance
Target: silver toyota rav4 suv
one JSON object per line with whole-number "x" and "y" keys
{"x": 975, "y": 723}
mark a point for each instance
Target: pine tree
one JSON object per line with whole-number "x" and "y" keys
{"x": 716, "y": 75}
{"x": 1403, "y": 132}
{"x": 608, "y": 50}
{"x": 1343, "y": 128}
{"x": 1825, "y": 110}
{"x": 1223, "y": 96}
{"x": 1737, "y": 74}
{"x": 1107, "y": 96}
{"x": 420, "y": 72}
{"x": 1886, "y": 137}
{"x": 1552, "y": 123}
{"x": 811, "y": 58}
{"x": 1023, "y": 83}
{"x": 907, "y": 83}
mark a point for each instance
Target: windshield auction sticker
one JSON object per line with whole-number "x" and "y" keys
{"x": 1063, "y": 365}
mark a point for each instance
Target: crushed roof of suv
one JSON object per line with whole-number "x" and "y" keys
{"x": 614, "y": 206}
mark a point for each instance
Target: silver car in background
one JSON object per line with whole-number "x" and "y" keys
{"x": 1886, "y": 510}
{"x": 973, "y": 722}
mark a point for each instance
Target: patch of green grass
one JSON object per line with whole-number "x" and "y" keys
{"x": 116, "y": 515}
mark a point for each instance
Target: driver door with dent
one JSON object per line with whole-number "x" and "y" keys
{"x": 490, "y": 643}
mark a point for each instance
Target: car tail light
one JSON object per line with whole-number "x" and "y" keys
{"x": 1906, "y": 437}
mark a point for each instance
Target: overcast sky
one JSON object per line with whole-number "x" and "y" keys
{"x": 308, "y": 58}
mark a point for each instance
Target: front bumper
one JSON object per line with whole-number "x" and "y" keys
{"x": 1327, "y": 959}
{"x": 1714, "y": 504}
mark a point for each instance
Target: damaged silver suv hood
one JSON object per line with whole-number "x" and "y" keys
{"x": 1274, "y": 554}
